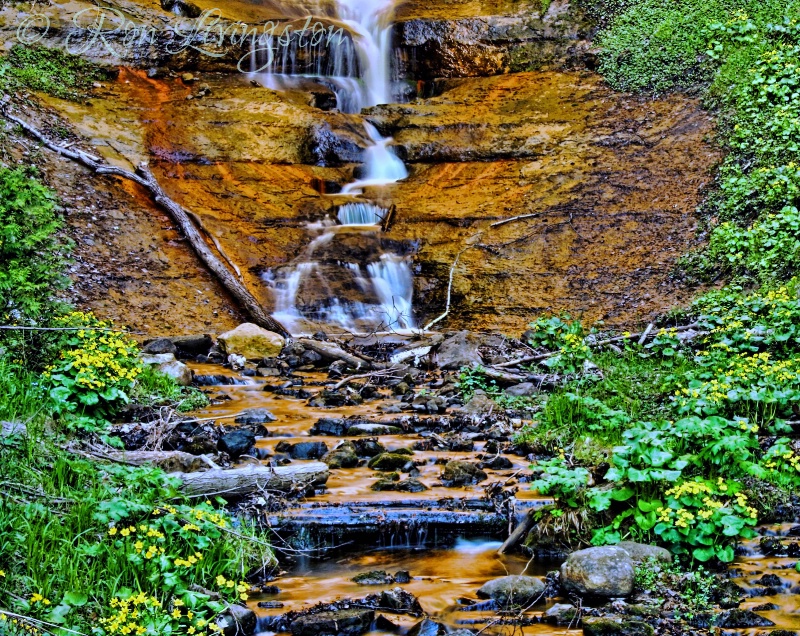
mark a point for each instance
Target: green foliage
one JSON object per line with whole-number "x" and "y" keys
{"x": 50, "y": 71}
{"x": 471, "y": 379}
{"x": 561, "y": 481}
{"x": 694, "y": 589}
{"x": 159, "y": 389}
{"x": 563, "y": 335}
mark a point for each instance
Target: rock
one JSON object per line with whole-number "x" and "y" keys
{"x": 255, "y": 416}
{"x": 193, "y": 345}
{"x": 345, "y": 622}
{"x": 769, "y": 580}
{"x": 160, "y": 345}
{"x": 343, "y": 456}
{"x": 741, "y": 618}
{"x": 372, "y": 429}
{"x": 7, "y": 429}
{"x": 562, "y": 615}
{"x": 514, "y": 590}
{"x": 252, "y": 342}
{"x": 402, "y": 576}
{"x": 177, "y": 371}
{"x": 388, "y": 461}
{"x": 237, "y": 443}
{"x": 498, "y": 462}
{"x": 459, "y": 350}
{"x": 407, "y": 485}
{"x": 479, "y": 405}
{"x": 615, "y": 626}
{"x": 427, "y": 627}
{"x": 236, "y": 361}
{"x": 368, "y": 447}
{"x": 156, "y": 358}
{"x": 606, "y": 571}
{"x": 398, "y": 600}
{"x": 458, "y": 473}
{"x": 641, "y": 552}
{"x": 331, "y": 426}
{"x": 524, "y": 389}
{"x": 238, "y": 620}
{"x": 195, "y": 438}
{"x": 376, "y": 577}
{"x": 184, "y": 9}
{"x": 308, "y": 450}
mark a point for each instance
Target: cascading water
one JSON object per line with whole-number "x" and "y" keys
{"x": 356, "y": 67}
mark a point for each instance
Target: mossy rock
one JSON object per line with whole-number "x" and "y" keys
{"x": 388, "y": 461}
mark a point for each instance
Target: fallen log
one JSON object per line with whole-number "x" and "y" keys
{"x": 170, "y": 461}
{"x": 331, "y": 351}
{"x": 519, "y": 533}
{"x": 178, "y": 213}
{"x": 250, "y": 479}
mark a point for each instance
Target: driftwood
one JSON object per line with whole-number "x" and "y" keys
{"x": 519, "y": 533}
{"x": 178, "y": 213}
{"x": 331, "y": 351}
{"x": 250, "y": 479}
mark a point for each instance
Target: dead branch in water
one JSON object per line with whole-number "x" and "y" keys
{"x": 177, "y": 212}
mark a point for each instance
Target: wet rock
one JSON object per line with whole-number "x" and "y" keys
{"x": 402, "y": 576}
{"x": 479, "y": 405}
{"x": 769, "y": 580}
{"x": 459, "y": 473}
{"x": 375, "y": 577}
{"x": 197, "y": 439}
{"x": 562, "y": 615}
{"x": 177, "y": 371}
{"x": 727, "y": 594}
{"x": 303, "y": 450}
{"x": 524, "y": 389}
{"x": 252, "y": 342}
{"x": 237, "y": 620}
{"x": 160, "y": 345}
{"x": 406, "y": 485}
{"x": 193, "y": 345}
{"x": 740, "y": 618}
{"x": 217, "y": 379}
{"x": 771, "y": 547}
{"x": 331, "y": 426}
{"x": 368, "y": 447}
{"x": 615, "y": 626}
{"x": 345, "y": 622}
{"x": 325, "y": 147}
{"x": 182, "y": 8}
{"x": 641, "y": 552}
{"x": 398, "y": 600}
{"x": 427, "y": 627}
{"x": 498, "y": 462}
{"x": 765, "y": 607}
{"x": 372, "y": 429}
{"x": 459, "y": 350}
{"x": 255, "y": 416}
{"x": 388, "y": 461}
{"x": 237, "y": 443}
{"x": 605, "y": 571}
{"x": 343, "y": 456}
{"x": 270, "y": 604}
{"x": 519, "y": 591}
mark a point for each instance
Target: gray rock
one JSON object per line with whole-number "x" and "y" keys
{"x": 458, "y": 473}
{"x": 343, "y": 456}
{"x": 8, "y": 429}
{"x": 238, "y": 620}
{"x": 156, "y": 358}
{"x": 514, "y": 590}
{"x": 193, "y": 345}
{"x": 160, "y": 345}
{"x": 741, "y": 618}
{"x": 359, "y": 430}
{"x": 606, "y": 571}
{"x": 427, "y": 627}
{"x": 561, "y": 614}
{"x": 615, "y": 626}
{"x": 641, "y": 552}
{"x": 375, "y": 577}
{"x": 388, "y": 461}
{"x": 459, "y": 350}
{"x": 525, "y": 389}
{"x": 368, "y": 447}
{"x": 346, "y": 622}
{"x": 479, "y": 405}
{"x": 237, "y": 443}
{"x": 308, "y": 450}
{"x": 398, "y": 600}
{"x": 255, "y": 416}
{"x": 177, "y": 371}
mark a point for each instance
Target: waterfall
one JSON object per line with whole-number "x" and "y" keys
{"x": 361, "y": 214}
{"x": 394, "y": 286}
{"x": 381, "y": 165}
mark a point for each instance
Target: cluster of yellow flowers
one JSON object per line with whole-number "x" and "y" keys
{"x": 229, "y": 584}
{"x": 191, "y": 561}
{"x": 38, "y": 598}
{"x": 790, "y": 457}
{"x": 102, "y": 358}
{"x": 682, "y": 517}
{"x": 145, "y": 531}
{"x": 573, "y": 343}
{"x": 128, "y": 615}
{"x": 17, "y": 625}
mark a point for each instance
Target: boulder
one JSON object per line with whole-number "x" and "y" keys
{"x": 606, "y": 571}
{"x": 372, "y": 429}
{"x": 375, "y": 577}
{"x": 308, "y": 450}
{"x": 368, "y": 447}
{"x": 524, "y": 389}
{"x": 741, "y": 618}
{"x": 615, "y": 626}
{"x": 252, "y": 342}
{"x": 237, "y": 443}
{"x": 156, "y": 358}
{"x": 345, "y": 622}
{"x": 459, "y": 350}
{"x": 343, "y": 456}
{"x": 177, "y": 371}
{"x": 562, "y": 615}
{"x": 498, "y": 462}
{"x": 184, "y": 9}
{"x": 641, "y": 552}
{"x": 388, "y": 461}
{"x": 237, "y": 620}
{"x": 193, "y": 345}
{"x": 459, "y": 473}
{"x": 406, "y": 485}
{"x": 398, "y": 600}
{"x": 255, "y": 416}
{"x": 427, "y": 627}
{"x": 160, "y": 345}
{"x": 479, "y": 405}
{"x": 513, "y": 590}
